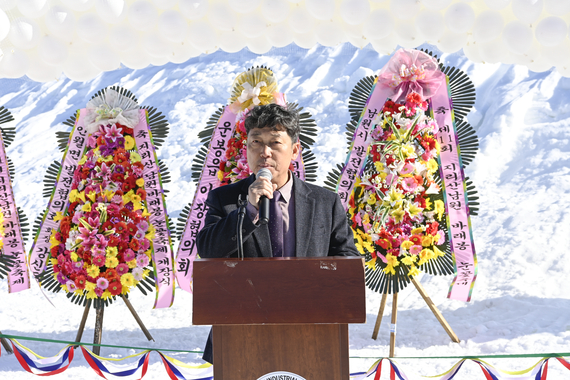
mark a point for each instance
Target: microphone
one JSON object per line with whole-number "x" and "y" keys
{"x": 263, "y": 200}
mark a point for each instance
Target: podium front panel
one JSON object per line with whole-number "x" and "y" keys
{"x": 279, "y": 291}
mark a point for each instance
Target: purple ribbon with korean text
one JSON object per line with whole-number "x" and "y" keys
{"x": 187, "y": 250}
{"x": 18, "y": 278}
{"x": 455, "y": 195}
{"x": 360, "y": 142}
{"x": 60, "y": 196}
{"x": 162, "y": 254}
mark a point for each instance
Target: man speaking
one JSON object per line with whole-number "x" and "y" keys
{"x": 304, "y": 220}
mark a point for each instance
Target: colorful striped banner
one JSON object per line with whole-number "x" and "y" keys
{"x": 59, "y": 199}
{"x": 18, "y": 278}
{"x": 455, "y": 196}
{"x": 38, "y": 365}
{"x": 162, "y": 253}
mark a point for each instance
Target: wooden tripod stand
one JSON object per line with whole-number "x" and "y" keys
{"x": 428, "y": 301}
{"x": 99, "y": 324}
{"x": 6, "y": 345}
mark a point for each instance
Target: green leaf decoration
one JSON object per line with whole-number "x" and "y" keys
{"x": 6, "y": 264}
{"x": 181, "y": 220}
{"x": 158, "y": 126}
{"x": 8, "y": 133}
{"x": 51, "y": 178}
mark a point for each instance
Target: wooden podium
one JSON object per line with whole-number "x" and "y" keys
{"x": 280, "y": 314}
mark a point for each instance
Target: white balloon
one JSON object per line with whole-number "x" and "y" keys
{"x": 111, "y": 11}
{"x": 91, "y": 28}
{"x": 497, "y": 5}
{"x": 451, "y": 42}
{"x": 33, "y": 8}
{"x": 275, "y": 10}
{"x": 193, "y": 9}
{"x": 78, "y": 5}
{"x": 259, "y": 45}
{"x": 406, "y": 36}
{"x": 518, "y": 37}
{"x": 77, "y": 67}
{"x": 155, "y": 45}
{"x": 14, "y": 64}
{"x": 405, "y": 9}
{"x": 557, "y": 55}
{"x": 244, "y": 6}
{"x": 8, "y": 4}
{"x": 305, "y": 40}
{"x": 279, "y": 35}
{"x": 378, "y": 24}
{"x": 436, "y": 5}
{"x": 329, "y": 33}
{"x": 557, "y": 7}
{"x": 354, "y": 12}
{"x": 222, "y": 17}
{"x": 488, "y": 26}
{"x": 103, "y": 57}
{"x": 60, "y": 22}
{"x": 527, "y": 10}
{"x": 492, "y": 51}
{"x": 4, "y": 25}
{"x": 165, "y": 4}
{"x": 532, "y": 55}
{"x": 252, "y": 25}
{"x": 40, "y": 71}
{"x": 203, "y": 36}
{"x": 295, "y": 1}
{"x": 142, "y": 15}
{"x": 564, "y": 70}
{"x": 172, "y": 26}
{"x": 471, "y": 51}
{"x": 24, "y": 33}
{"x": 539, "y": 65}
{"x": 135, "y": 58}
{"x": 386, "y": 45}
{"x": 232, "y": 41}
{"x": 430, "y": 24}
{"x": 321, "y": 9}
{"x": 459, "y": 18}
{"x": 121, "y": 37}
{"x": 52, "y": 50}
{"x": 357, "y": 41}
{"x": 300, "y": 21}
{"x": 551, "y": 31}
{"x": 160, "y": 61}
{"x": 183, "y": 51}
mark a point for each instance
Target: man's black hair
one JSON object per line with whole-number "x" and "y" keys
{"x": 276, "y": 117}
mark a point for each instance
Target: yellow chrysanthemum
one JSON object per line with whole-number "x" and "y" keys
{"x": 91, "y": 295}
{"x": 128, "y": 280}
{"x": 220, "y": 175}
{"x": 150, "y": 233}
{"x": 389, "y": 270}
{"x": 53, "y": 241}
{"x": 129, "y": 142}
{"x": 106, "y": 294}
{"x": 93, "y": 271}
{"x": 89, "y": 286}
{"x": 432, "y": 166}
{"x": 407, "y": 244}
{"x": 132, "y": 264}
{"x": 408, "y": 150}
{"x": 112, "y": 251}
{"x": 140, "y": 182}
{"x": 135, "y": 157}
{"x": 379, "y": 166}
{"x": 392, "y": 260}
{"x": 111, "y": 262}
{"x": 74, "y": 256}
{"x": 53, "y": 261}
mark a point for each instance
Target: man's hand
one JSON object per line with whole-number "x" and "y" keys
{"x": 261, "y": 186}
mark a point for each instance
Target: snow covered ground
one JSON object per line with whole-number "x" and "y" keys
{"x": 520, "y": 303}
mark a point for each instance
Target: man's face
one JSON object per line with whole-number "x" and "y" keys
{"x": 273, "y": 150}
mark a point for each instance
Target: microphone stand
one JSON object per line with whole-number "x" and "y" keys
{"x": 241, "y": 215}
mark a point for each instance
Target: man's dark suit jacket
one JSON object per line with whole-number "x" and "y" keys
{"x": 321, "y": 227}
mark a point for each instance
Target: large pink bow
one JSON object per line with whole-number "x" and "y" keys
{"x": 411, "y": 71}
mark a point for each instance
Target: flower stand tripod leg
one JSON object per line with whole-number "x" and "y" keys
{"x": 393, "y": 324}
{"x": 379, "y": 317}
{"x": 98, "y": 329}
{"x": 435, "y": 311}
{"x": 137, "y": 318}
{"x": 83, "y": 320}
{"x": 6, "y": 345}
